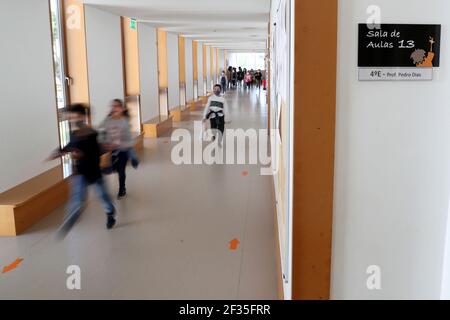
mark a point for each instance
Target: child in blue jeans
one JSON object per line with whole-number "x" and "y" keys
{"x": 132, "y": 154}
{"x": 119, "y": 141}
{"x": 85, "y": 151}
{"x": 133, "y": 157}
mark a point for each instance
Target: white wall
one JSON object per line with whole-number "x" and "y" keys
{"x": 221, "y": 61}
{"x": 148, "y": 64}
{"x": 200, "y": 69}
{"x": 28, "y": 121}
{"x": 173, "y": 71}
{"x": 189, "y": 71}
{"x": 392, "y": 166}
{"x": 104, "y": 51}
{"x": 282, "y": 139}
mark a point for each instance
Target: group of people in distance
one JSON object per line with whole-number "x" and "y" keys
{"x": 241, "y": 78}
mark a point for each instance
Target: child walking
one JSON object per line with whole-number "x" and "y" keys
{"x": 217, "y": 112}
{"x": 223, "y": 82}
{"x": 119, "y": 141}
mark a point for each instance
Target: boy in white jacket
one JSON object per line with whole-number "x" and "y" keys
{"x": 217, "y": 112}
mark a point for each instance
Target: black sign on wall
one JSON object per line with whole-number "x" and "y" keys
{"x": 399, "y": 45}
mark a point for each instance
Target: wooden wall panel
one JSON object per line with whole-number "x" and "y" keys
{"x": 314, "y": 145}
{"x": 225, "y": 58}
{"x": 76, "y": 53}
{"x": 162, "y": 59}
{"x": 212, "y": 63}
{"x": 130, "y": 58}
{"x": 182, "y": 59}
{"x": 195, "y": 59}
{"x": 204, "y": 63}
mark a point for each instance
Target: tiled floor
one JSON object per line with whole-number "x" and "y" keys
{"x": 173, "y": 232}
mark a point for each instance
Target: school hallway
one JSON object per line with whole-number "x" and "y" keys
{"x": 344, "y": 189}
{"x": 172, "y": 239}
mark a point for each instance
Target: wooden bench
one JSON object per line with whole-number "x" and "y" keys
{"x": 204, "y": 99}
{"x": 156, "y": 127}
{"x": 195, "y": 105}
{"x": 180, "y": 114}
{"x": 26, "y": 204}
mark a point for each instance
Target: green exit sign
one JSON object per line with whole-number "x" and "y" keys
{"x": 133, "y": 24}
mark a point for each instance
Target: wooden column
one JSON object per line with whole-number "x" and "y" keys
{"x": 314, "y": 145}
{"x": 130, "y": 58}
{"x": 131, "y": 73}
{"x": 225, "y": 57}
{"x": 212, "y": 65}
{"x": 195, "y": 59}
{"x": 205, "y": 73}
{"x": 75, "y": 51}
{"x": 217, "y": 66}
{"x": 163, "y": 73}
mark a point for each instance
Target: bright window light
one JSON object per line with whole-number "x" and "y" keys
{"x": 249, "y": 60}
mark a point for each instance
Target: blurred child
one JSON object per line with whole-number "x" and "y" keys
{"x": 119, "y": 141}
{"x": 85, "y": 151}
{"x": 223, "y": 82}
{"x": 248, "y": 80}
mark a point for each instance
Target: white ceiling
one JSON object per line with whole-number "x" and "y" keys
{"x": 237, "y": 25}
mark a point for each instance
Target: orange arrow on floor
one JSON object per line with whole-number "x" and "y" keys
{"x": 12, "y": 266}
{"x": 234, "y": 244}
